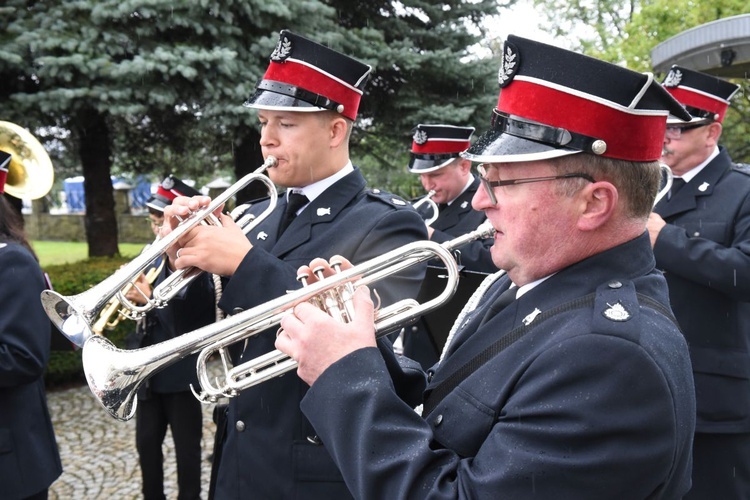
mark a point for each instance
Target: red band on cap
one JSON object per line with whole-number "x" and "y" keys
{"x": 439, "y": 147}
{"x": 303, "y": 76}
{"x": 632, "y": 137}
{"x": 695, "y": 99}
{"x": 169, "y": 194}
{"x": 3, "y": 177}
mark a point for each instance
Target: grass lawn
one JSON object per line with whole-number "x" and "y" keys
{"x": 52, "y": 253}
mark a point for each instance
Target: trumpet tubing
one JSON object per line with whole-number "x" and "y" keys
{"x": 74, "y": 315}
{"x": 427, "y": 200}
{"x": 114, "y": 375}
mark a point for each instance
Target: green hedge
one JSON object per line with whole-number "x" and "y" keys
{"x": 65, "y": 366}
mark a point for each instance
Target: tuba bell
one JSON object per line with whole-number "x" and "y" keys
{"x": 30, "y": 173}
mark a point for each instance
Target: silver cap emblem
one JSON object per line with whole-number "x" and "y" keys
{"x": 282, "y": 51}
{"x": 508, "y": 65}
{"x": 673, "y": 79}
{"x": 420, "y": 137}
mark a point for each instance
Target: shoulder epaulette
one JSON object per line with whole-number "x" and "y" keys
{"x": 742, "y": 167}
{"x": 389, "y": 198}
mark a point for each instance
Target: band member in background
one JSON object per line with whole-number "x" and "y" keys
{"x": 570, "y": 379}
{"x": 701, "y": 239}
{"x": 307, "y": 102}
{"x": 165, "y": 400}
{"x": 29, "y": 458}
{"x": 435, "y": 157}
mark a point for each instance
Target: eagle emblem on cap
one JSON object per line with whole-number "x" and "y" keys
{"x": 282, "y": 51}
{"x": 420, "y": 137}
{"x": 673, "y": 79}
{"x": 508, "y": 65}
{"x": 167, "y": 183}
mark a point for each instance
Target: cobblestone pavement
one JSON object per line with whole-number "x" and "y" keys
{"x": 98, "y": 453}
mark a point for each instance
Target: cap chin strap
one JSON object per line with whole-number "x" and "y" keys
{"x": 547, "y": 134}
{"x": 299, "y": 93}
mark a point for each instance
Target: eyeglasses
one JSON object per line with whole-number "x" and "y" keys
{"x": 490, "y": 185}
{"x": 675, "y": 131}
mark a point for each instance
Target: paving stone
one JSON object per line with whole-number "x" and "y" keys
{"x": 98, "y": 452}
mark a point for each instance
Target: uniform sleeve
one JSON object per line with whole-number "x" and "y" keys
{"x": 707, "y": 259}
{"x": 262, "y": 276}
{"x": 590, "y": 419}
{"x": 24, "y": 326}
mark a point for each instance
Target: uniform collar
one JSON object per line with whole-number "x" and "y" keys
{"x": 315, "y": 189}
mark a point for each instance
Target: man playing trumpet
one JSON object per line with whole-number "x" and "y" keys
{"x": 570, "y": 377}
{"x": 307, "y": 103}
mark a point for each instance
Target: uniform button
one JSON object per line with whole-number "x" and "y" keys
{"x": 615, "y": 284}
{"x": 415, "y": 329}
{"x": 237, "y": 310}
{"x": 314, "y": 440}
{"x": 240, "y": 426}
{"x": 430, "y": 373}
{"x": 438, "y": 420}
{"x": 376, "y": 191}
{"x": 696, "y": 234}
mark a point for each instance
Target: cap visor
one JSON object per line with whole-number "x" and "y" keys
{"x": 421, "y": 166}
{"x": 673, "y": 120}
{"x": 263, "y": 99}
{"x": 495, "y": 146}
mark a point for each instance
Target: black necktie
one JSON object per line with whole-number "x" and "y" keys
{"x": 500, "y": 303}
{"x": 294, "y": 203}
{"x": 442, "y": 206}
{"x": 677, "y": 184}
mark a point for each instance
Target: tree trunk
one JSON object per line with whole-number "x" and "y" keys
{"x": 95, "y": 153}
{"x": 248, "y": 157}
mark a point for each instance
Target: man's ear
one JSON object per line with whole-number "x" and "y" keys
{"x": 598, "y": 202}
{"x": 339, "y": 129}
{"x": 714, "y": 132}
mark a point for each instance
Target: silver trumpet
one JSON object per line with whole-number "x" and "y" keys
{"x": 75, "y": 315}
{"x": 427, "y": 199}
{"x": 114, "y": 375}
{"x": 667, "y": 184}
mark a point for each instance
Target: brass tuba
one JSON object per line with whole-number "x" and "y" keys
{"x": 30, "y": 173}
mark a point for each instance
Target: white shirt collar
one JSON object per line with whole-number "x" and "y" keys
{"x": 315, "y": 189}
{"x": 469, "y": 181}
{"x": 687, "y": 176}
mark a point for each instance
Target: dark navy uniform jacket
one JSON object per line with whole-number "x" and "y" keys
{"x": 454, "y": 220}
{"x": 705, "y": 254}
{"x": 164, "y": 324}
{"x": 594, "y": 402}
{"x": 459, "y": 218}
{"x": 270, "y": 450}
{"x": 29, "y": 459}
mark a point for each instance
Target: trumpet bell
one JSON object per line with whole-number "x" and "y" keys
{"x": 30, "y": 174}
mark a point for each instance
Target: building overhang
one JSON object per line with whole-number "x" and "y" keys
{"x": 720, "y": 48}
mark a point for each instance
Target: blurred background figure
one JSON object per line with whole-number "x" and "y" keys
{"x": 450, "y": 185}
{"x": 29, "y": 458}
{"x": 701, "y": 240}
{"x": 165, "y": 400}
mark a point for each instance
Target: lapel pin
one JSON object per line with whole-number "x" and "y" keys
{"x": 531, "y": 317}
{"x": 702, "y": 188}
{"x": 324, "y": 211}
{"x": 262, "y": 235}
{"x": 464, "y": 204}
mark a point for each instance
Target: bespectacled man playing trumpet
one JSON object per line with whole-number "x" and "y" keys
{"x": 568, "y": 377}
{"x": 307, "y": 102}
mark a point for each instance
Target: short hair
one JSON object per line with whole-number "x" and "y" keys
{"x": 636, "y": 182}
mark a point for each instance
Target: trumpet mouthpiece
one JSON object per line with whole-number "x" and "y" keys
{"x": 271, "y": 161}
